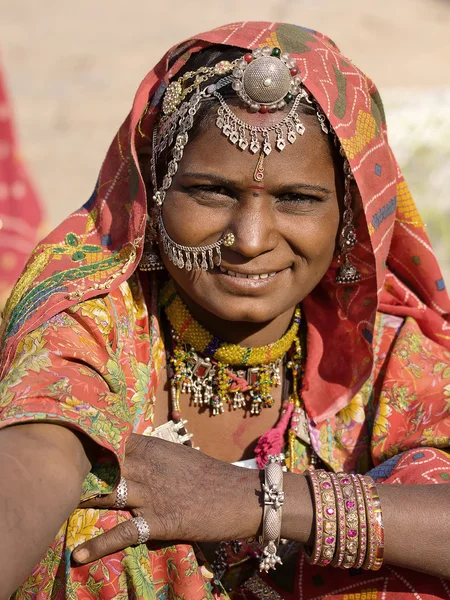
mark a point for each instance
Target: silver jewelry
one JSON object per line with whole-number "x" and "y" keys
{"x": 273, "y": 506}
{"x": 121, "y": 494}
{"x": 150, "y": 259}
{"x": 235, "y": 129}
{"x": 142, "y": 528}
{"x": 193, "y": 257}
{"x": 347, "y": 272}
{"x": 265, "y": 80}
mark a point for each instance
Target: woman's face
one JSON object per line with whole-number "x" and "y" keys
{"x": 285, "y": 227}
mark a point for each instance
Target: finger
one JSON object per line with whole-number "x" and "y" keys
{"x": 121, "y": 536}
{"x": 135, "y": 498}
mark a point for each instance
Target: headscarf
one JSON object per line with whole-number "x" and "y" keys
{"x": 20, "y": 210}
{"x": 99, "y": 246}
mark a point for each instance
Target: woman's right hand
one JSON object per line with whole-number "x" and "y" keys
{"x": 182, "y": 494}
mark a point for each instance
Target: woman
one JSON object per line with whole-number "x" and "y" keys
{"x": 279, "y": 222}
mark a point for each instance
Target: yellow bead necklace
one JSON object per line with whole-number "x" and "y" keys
{"x": 203, "y": 364}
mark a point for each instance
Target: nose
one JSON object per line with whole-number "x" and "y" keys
{"x": 254, "y": 227}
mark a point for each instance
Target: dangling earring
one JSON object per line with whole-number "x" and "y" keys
{"x": 347, "y": 272}
{"x": 151, "y": 259}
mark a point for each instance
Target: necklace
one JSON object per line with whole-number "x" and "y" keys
{"x": 219, "y": 374}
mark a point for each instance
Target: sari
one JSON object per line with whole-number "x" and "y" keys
{"x": 20, "y": 210}
{"x": 82, "y": 345}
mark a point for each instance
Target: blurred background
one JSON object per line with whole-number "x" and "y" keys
{"x": 72, "y": 69}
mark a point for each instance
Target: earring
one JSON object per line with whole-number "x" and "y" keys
{"x": 151, "y": 259}
{"x": 347, "y": 272}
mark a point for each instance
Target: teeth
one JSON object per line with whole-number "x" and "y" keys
{"x": 244, "y": 276}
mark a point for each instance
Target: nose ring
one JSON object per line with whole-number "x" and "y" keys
{"x": 229, "y": 240}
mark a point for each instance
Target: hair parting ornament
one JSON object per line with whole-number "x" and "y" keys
{"x": 266, "y": 80}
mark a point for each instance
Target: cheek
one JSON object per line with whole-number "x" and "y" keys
{"x": 191, "y": 224}
{"x": 314, "y": 238}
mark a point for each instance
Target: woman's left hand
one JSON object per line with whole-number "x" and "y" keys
{"x": 182, "y": 494}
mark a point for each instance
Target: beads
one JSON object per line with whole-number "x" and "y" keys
{"x": 209, "y": 377}
{"x": 192, "y": 333}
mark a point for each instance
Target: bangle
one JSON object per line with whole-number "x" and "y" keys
{"x": 313, "y": 555}
{"x": 375, "y": 528}
{"x": 379, "y": 529}
{"x": 326, "y": 511}
{"x": 273, "y": 507}
{"x": 362, "y": 549}
{"x": 340, "y": 544}
{"x": 351, "y": 521}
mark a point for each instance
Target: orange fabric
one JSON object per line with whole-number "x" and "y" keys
{"x": 399, "y": 270}
{"x": 77, "y": 322}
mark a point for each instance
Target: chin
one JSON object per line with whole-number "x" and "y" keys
{"x": 245, "y": 309}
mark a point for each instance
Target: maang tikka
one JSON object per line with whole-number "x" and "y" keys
{"x": 265, "y": 80}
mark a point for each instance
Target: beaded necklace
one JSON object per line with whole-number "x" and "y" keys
{"x": 203, "y": 365}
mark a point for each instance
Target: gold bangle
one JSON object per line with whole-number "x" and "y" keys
{"x": 313, "y": 555}
{"x": 325, "y": 518}
{"x": 375, "y": 530}
{"x": 379, "y": 529}
{"x": 330, "y": 518}
{"x": 340, "y": 521}
{"x": 362, "y": 548}
{"x": 351, "y": 521}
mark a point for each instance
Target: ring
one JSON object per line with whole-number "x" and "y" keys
{"x": 142, "y": 528}
{"x": 121, "y": 494}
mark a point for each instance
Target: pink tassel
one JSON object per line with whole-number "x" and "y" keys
{"x": 272, "y": 442}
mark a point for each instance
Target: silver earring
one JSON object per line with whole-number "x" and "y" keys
{"x": 347, "y": 272}
{"x": 151, "y": 259}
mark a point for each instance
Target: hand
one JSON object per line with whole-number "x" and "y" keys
{"x": 182, "y": 494}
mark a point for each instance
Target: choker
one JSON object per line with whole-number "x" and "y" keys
{"x": 217, "y": 374}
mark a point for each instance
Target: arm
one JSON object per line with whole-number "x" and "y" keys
{"x": 42, "y": 468}
{"x": 184, "y": 494}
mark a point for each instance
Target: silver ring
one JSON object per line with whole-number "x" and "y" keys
{"x": 142, "y": 528}
{"x": 121, "y": 494}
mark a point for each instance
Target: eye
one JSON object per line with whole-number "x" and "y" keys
{"x": 209, "y": 192}
{"x": 296, "y": 198}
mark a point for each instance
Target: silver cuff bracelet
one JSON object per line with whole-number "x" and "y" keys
{"x": 273, "y": 507}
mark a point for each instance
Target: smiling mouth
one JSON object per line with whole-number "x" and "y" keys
{"x": 246, "y": 275}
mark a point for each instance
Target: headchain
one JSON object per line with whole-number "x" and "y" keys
{"x": 265, "y": 80}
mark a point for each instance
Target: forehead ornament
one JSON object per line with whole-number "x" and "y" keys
{"x": 265, "y": 80}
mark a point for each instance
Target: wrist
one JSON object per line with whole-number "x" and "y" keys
{"x": 298, "y": 510}
{"x": 244, "y": 505}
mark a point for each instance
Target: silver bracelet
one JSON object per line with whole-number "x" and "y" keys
{"x": 273, "y": 508}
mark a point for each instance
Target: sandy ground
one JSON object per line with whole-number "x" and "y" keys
{"x": 73, "y": 66}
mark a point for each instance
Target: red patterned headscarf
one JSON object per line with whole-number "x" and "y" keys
{"x": 20, "y": 211}
{"x": 100, "y": 245}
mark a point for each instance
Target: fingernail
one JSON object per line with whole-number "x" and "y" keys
{"x": 81, "y": 555}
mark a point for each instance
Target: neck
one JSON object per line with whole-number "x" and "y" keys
{"x": 249, "y": 335}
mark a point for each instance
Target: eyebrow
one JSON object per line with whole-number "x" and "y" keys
{"x": 212, "y": 177}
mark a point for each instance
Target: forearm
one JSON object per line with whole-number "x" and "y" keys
{"x": 42, "y": 468}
